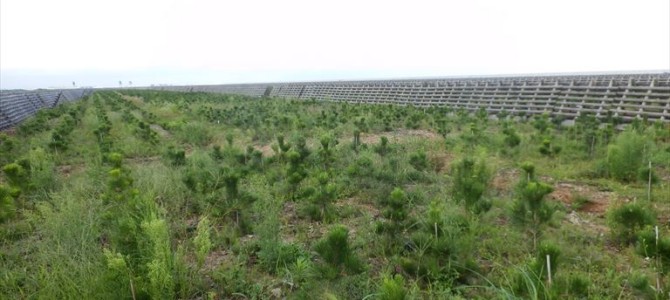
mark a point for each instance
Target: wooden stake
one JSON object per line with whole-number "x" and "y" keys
{"x": 649, "y": 186}
{"x": 549, "y": 268}
{"x": 132, "y": 289}
{"x": 658, "y": 262}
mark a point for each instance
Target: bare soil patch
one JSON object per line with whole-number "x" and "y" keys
{"x": 366, "y": 208}
{"x": 441, "y": 161}
{"x": 67, "y": 170}
{"x": 295, "y": 228}
{"x": 266, "y": 150}
{"x": 160, "y": 130}
{"x": 215, "y": 259}
{"x": 598, "y": 200}
{"x": 372, "y": 138}
{"x": 576, "y": 219}
{"x": 399, "y": 135}
{"x": 143, "y": 159}
{"x": 290, "y": 222}
{"x": 504, "y": 179}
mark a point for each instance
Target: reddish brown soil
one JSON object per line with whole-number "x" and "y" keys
{"x": 567, "y": 192}
{"x": 503, "y": 181}
{"x": 441, "y": 161}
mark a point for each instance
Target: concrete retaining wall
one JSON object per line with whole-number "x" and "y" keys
{"x": 17, "y": 105}
{"x": 625, "y": 95}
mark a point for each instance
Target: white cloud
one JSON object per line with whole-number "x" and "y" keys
{"x": 225, "y": 41}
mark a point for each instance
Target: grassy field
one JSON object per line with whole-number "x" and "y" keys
{"x": 161, "y": 195}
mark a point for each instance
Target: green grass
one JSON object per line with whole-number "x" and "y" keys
{"x": 270, "y": 218}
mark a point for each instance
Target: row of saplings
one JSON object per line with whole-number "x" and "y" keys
{"x": 440, "y": 248}
{"x": 18, "y": 173}
{"x": 135, "y": 240}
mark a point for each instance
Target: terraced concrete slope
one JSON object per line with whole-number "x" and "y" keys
{"x": 624, "y": 95}
{"x": 17, "y": 105}
{"x": 627, "y": 96}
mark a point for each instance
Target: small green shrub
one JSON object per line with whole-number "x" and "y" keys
{"x": 640, "y": 283}
{"x": 274, "y": 257}
{"x": 363, "y": 166}
{"x": 216, "y": 153}
{"x": 7, "y": 144}
{"x": 392, "y": 288}
{"x": 470, "y": 181}
{"x": 357, "y": 140}
{"x": 383, "y": 147}
{"x": 322, "y": 198}
{"x": 18, "y": 174}
{"x": 202, "y": 240}
{"x": 300, "y": 272}
{"x": 229, "y": 139}
{"x": 295, "y": 172}
{"x": 195, "y": 133}
{"x": 649, "y": 246}
{"x": 442, "y": 249}
{"x": 549, "y": 149}
{"x": 529, "y": 170}
{"x": 540, "y": 265}
{"x": 627, "y": 219}
{"x": 335, "y": 250}
{"x": 578, "y": 285}
{"x": 541, "y": 123}
{"x": 512, "y": 139}
{"x": 418, "y": 160}
{"x": 328, "y": 142}
{"x": 646, "y": 175}
{"x": 176, "y": 157}
{"x": 395, "y": 213}
{"x": 7, "y": 205}
{"x": 529, "y": 209}
{"x": 473, "y": 136}
{"x": 159, "y": 256}
{"x": 118, "y": 274}
{"x": 42, "y": 175}
{"x": 625, "y": 156}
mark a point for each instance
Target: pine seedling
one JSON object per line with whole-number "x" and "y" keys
{"x": 202, "y": 240}
{"x": 392, "y": 288}
{"x": 470, "y": 181}
{"x": 530, "y": 209}
{"x": 335, "y": 250}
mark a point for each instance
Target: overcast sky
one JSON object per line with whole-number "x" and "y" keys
{"x": 97, "y": 43}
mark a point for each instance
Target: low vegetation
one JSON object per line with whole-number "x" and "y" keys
{"x": 162, "y": 195}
